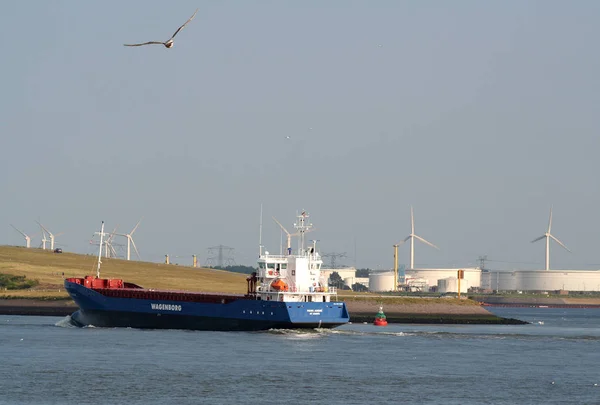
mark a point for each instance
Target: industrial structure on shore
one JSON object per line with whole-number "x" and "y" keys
{"x": 445, "y": 280}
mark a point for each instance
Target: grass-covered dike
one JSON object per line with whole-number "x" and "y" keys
{"x": 43, "y": 273}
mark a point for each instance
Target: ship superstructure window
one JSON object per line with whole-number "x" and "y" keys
{"x": 270, "y": 265}
{"x": 261, "y": 265}
{"x": 283, "y": 266}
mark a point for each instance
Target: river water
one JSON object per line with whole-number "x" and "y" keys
{"x": 553, "y": 360}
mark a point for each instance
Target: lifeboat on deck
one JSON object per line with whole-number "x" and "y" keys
{"x": 380, "y": 319}
{"x": 279, "y": 285}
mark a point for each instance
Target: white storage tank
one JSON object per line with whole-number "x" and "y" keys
{"x": 471, "y": 274}
{"x": 504, "y": 280}
{"x": 381, "y": 281}
{"x": 450, "y": 285}
{"x": 349, "y": 282}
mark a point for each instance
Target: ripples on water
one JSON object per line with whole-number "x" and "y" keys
{"x": 47, "y": 360}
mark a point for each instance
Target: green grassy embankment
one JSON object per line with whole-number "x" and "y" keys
{"x": 49, "y": 269}
{"x": 46, "y": 270}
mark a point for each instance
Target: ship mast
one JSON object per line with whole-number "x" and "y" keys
{"x": 302, "y": 226}
{"x": 260, "y": 233}
{"x": 100, "y": 252}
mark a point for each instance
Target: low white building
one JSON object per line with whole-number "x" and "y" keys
{"x": 350, "y": 281}
{"x": 344, "y": 272}
{"x": 472, "y": 275}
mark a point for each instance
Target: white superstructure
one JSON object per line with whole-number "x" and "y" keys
{"x": 293, "y": 277}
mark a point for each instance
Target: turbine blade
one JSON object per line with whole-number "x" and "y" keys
{"x": 560, "y": 243}
{"x": 111, "y": 235}
{"x": 550, "y": 220}
{"x": 412, "y": 220}
{"x": 540, "y": 238}
{"x": 427, "y": 242}
{"x": 42, "y": 226}
{"x": 405, "y": 239}
{"x": 135, "y": 248}
{"x": 21, "y": 232}
{"x": 135, "y": 227}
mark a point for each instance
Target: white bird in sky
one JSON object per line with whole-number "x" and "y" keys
{"x": 169, "y": 43}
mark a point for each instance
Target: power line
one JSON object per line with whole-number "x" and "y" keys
{"x": 333, "y": 257}
{"x": 220, "y": 256}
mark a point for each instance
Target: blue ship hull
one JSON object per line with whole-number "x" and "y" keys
{"x": 241, "y": 314}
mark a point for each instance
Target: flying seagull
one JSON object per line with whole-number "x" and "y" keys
{"x": 169, "y": 43}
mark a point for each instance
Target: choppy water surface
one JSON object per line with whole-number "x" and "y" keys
{"x": 554, "y": 360}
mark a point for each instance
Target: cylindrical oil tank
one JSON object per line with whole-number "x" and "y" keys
{"x": 381, "y": 281}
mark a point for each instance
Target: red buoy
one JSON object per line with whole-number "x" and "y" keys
{"x": 380, "y": 319}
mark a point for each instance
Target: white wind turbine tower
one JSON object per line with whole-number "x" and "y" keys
{"x": 109, "y": 250}
{"x": 289, "y": 235}
{"x": 52, "y": 236}
{"x": 131, "y": 242}
{"x": 549, "y": 236}
{"x": 412, "y": 238}
{"x": 27, "y": 238}
{"x": 44, "y": 240}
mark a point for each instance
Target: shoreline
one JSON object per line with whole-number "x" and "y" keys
{"x": 427, "y": 313}
{"x": 360, "y": 312}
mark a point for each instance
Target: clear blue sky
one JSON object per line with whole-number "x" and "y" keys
{"x": 479, "y": 114}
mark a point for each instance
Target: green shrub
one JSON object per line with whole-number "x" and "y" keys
{"x": 16, "y": 282}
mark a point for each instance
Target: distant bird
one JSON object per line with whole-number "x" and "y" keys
{"x": 169, "y": 43}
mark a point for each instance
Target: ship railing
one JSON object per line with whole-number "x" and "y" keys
{"x": 270, "y": 256}
{"x": 320, "y": 291}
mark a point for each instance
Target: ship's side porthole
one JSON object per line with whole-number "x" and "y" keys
{"x": 271, "y": 313}
{"x": 244, "y": 311}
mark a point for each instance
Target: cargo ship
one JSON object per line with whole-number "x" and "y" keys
{"x": 287, "y": 291}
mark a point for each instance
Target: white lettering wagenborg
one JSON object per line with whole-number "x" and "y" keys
{"x": 166, "y": 307}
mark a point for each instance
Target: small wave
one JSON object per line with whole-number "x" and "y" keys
{"x": 297, "y": 333}
{"x": 66, "y": 322}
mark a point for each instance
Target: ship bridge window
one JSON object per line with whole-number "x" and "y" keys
{"x": 261, "y": 265}
{"x": 283, "y": 266}
{"x": 270, "y": 265}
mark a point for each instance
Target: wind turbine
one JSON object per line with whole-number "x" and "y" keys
{"x": 44, "y": 240}
{"x": 549, "y": 236}
{"x": 131, "y": 242}
{"x": 289, "y": 235}
{"x": 412, "y": 238}
{"x": 105, "y": 243}
{"x": 109, "y": 250}
{"x": 27, "y": 238}
{"x": 52, "y": 236}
